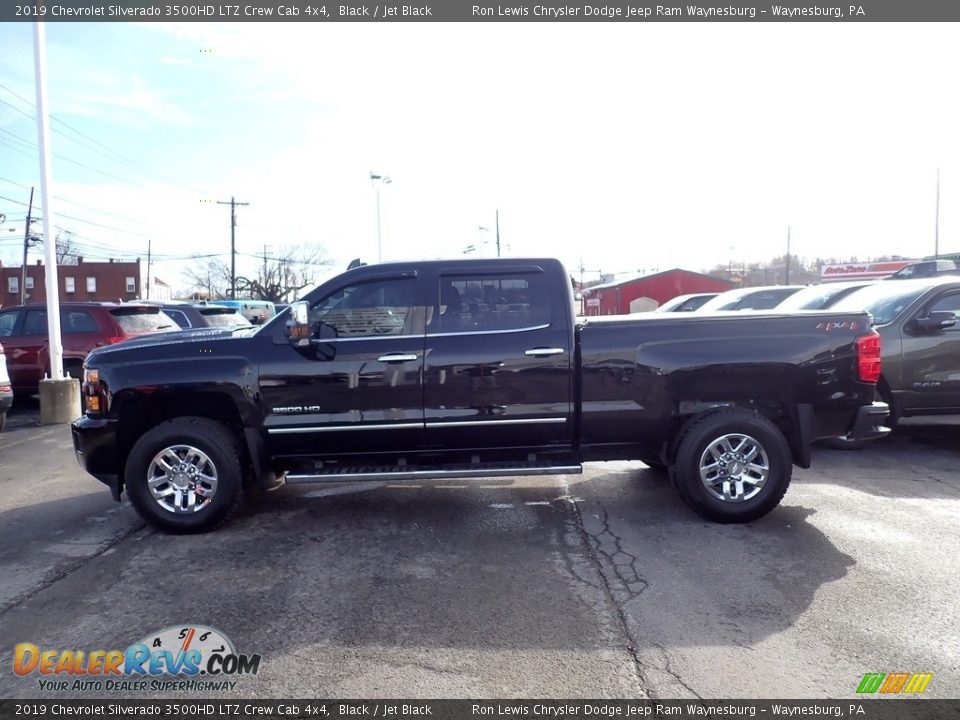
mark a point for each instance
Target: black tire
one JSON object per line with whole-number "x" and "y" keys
{"x": 3, "y": 421}
{"x": 222, "y": 450}
{"x": 702, "y": 433}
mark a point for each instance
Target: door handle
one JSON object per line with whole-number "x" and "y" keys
{"x": 543, "y": 352}
{"x": 396, "y": 357}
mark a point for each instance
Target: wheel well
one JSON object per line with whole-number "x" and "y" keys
{"x": 773, "y": 410}
{"x": 139, "y": 414}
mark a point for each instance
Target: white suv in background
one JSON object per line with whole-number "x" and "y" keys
{"x": 6, "y": 392}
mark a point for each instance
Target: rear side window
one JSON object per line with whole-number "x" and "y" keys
{"x": 143, "y": 320}
{"x": 492, "y": 303}
{"x": 78, "y": 321}
{"x": 179, "y": 318}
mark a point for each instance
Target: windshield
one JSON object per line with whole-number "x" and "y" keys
{"x": 817, "y": 297}
{"x": 885, "y": 301}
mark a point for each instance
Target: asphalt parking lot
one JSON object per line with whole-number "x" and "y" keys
{"x": 600, "y": 585}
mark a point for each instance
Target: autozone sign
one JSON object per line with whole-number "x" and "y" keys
{"x": 861, "y": 271}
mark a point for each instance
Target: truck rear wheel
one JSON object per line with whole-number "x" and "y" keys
{"x": 184, "y": 475}
{"x": 732, "y": 466}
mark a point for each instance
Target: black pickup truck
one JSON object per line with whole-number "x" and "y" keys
{"x": 431, "y": 370}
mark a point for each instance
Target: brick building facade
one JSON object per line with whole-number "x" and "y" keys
{"x": 84, "y": 281}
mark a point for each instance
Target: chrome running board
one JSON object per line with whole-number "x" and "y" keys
{"x": 404, "y": 473}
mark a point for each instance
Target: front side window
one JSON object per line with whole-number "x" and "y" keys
{"x": 492, "y": 303}
{"x": 947, "y": 303}
{"x": 375, "y": 309}
{"x": 35, "y": 323}
{"x": 7, "y": 322}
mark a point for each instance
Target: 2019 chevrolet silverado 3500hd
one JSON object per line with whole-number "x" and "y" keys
{"x": 431, "y": 370}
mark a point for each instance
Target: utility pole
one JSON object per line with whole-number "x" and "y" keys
{"x": 936, "y": 224}
{"x": 149, "y": 262}
{"x": 26, "y": 245}
{"x": 787, "y": 276}
{"x": 263, "y": 285}
{"x": 233, "y": 243}
{"x": 498, "y": 233}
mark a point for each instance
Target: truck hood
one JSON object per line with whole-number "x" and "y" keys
{"x": 182, "y": 337}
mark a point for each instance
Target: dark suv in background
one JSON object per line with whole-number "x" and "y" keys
{"x": 926, "y": 269}
{"x": 84, "y": 325}
{"x": 920, "y": 346}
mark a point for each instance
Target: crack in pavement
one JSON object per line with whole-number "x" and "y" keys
{"x": 637, "y": 664}
{"x": 628, "y": 576}
{"x": 69, "y": 567}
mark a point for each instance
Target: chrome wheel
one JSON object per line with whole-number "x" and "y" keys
{"x": 734, "y": 467}
{"x": 182, "y": 479}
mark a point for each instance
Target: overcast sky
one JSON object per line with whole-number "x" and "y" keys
{"x": 629, "y": 146}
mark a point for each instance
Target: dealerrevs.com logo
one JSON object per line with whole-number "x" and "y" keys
{"x": 185, "y": 652}
{"x": 894, "y": 683}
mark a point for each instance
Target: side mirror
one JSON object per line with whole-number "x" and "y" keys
{"x": 938, "y": 320}
{"x": 297, "y": 328}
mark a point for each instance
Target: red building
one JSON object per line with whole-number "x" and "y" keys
{"x": 111, "y": 281}
{"x": 648, "y": 292}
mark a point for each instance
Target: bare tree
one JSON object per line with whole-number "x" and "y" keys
{"x": 279, "y": 277}
{"x": 67, "y": 252}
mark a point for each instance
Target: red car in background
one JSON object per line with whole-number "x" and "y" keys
{"x": 83, "y": 325}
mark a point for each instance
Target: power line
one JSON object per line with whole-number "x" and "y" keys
{"x": 63, "y": 157}
{"x": 117, "y": 155}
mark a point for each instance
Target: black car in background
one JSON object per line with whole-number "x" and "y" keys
{"x": 197, "y": 315}
{"x": 920, "y": 346}
{"x": 926, "y": 269}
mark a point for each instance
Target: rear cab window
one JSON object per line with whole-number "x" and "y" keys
{"x": 138, "y": 319}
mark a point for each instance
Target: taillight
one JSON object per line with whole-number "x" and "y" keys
{"x": 115, "y": 339}
{"x": 868, "y": 357}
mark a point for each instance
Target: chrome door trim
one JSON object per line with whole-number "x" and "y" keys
{"x": 508, "y": 421}
{"x": 344, "y": 428}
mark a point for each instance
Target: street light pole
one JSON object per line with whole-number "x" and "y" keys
{"x": 378, "y": 181}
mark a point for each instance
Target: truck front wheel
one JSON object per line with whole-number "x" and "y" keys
{"x": 184, "y": 475}
{"x": 732, "y": 466}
